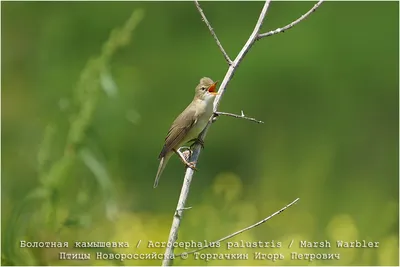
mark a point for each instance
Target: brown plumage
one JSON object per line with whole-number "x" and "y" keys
{"x": 189, "y": 124}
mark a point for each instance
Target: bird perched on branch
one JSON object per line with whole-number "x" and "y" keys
{"x": 189, "y": 124}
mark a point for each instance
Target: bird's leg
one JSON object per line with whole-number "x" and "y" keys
{"x": 197, "y": 141}
{"x": 185, "y": 151}
{"x": 183, "y": 147}
{"x": 183, "y": 159}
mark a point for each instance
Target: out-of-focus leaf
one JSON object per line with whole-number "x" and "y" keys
{"x": 108, "y": 84}
{"x": 104, "y": 180}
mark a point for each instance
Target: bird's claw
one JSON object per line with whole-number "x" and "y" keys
{"x": 191, "y": 165}
{"x": 197, "y": 141}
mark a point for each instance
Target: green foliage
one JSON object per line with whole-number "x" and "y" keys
{"x": 47, "y": 194}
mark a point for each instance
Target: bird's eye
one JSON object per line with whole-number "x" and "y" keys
{"x": 203, "y": 88}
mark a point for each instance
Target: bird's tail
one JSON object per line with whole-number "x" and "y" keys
{"x": 163, "y": 163}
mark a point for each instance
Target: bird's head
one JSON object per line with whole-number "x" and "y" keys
{"x": 206, "y": 90}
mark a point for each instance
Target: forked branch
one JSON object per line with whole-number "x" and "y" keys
{"x": 242, "y": 116}
{"x": 290, "y": 25}
{"x": 233, "y": 65}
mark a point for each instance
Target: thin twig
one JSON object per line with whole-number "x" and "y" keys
{"x": 212, "y": 32}
{"x": 290, "y": 25}
{"x": 242, "y": 116}
{"x": 244, "y": 229}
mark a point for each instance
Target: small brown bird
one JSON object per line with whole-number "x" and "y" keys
{"x": 189, "y": 124}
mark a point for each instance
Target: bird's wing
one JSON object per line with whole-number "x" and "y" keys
{"x": 177, "y": 133}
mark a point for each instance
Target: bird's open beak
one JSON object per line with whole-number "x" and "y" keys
{"x": 212, "y": 88}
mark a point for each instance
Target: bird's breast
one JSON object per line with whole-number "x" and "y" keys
{"x": 203, "y": 115}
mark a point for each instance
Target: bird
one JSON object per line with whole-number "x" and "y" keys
{"x": 189, "y": 124}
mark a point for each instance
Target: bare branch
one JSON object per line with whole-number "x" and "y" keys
{"x": 194, "y": 156}
{"x": 187, "y": 208}
{"x": 290, "y": 25}
{"x": 173, "y": 234}
{"x": 244, "y": 229}
{"x": 212, "y": 32}
{"x": 242, "y": 116}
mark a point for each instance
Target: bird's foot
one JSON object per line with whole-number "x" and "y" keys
{"x": 185, "y": 157}
{"x": 185, "y": 152}
{"x": 197, "y": 141}
{"x": 191, "y": 165}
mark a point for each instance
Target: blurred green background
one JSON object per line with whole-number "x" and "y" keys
{"x": 89, "y": 91}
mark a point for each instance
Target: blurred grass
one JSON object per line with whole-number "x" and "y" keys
{"x": 51, "y": 178}
{"x": 328, "y": 94}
